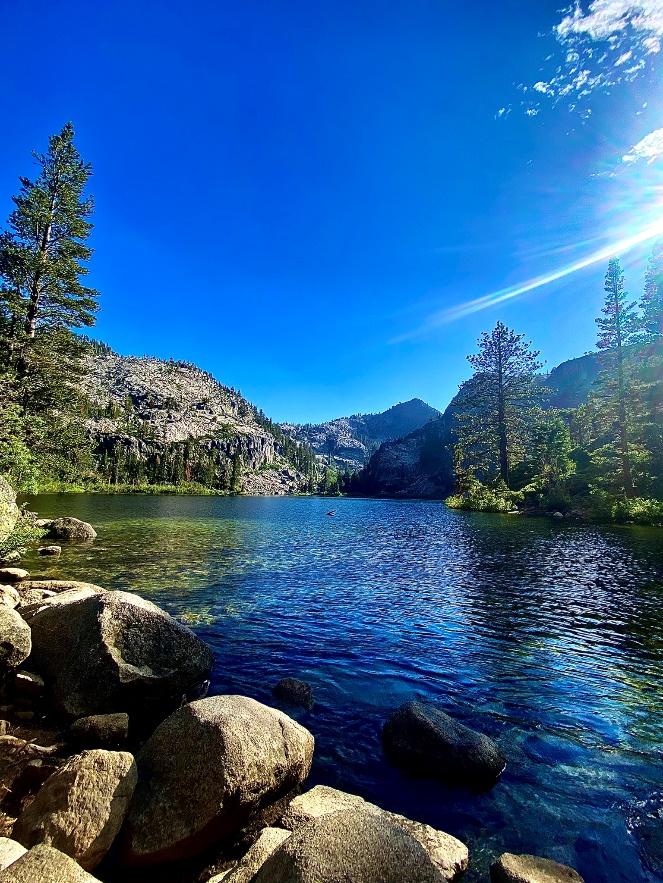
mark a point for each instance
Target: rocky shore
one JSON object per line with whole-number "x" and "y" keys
{"x": 116, "y": 765}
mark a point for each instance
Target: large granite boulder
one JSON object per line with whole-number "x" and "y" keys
{"x": 80, "y": 808}
{"x": 10, "y": 851}
{"x": 59, "y": 585}
{"x": 510, "y": 868}
{"x": 70, "y": 529}
{"x": 13, "y": 575}
{"x": 101, "y": 730}
{"x": 422, "y": 737}
{"x": 9, "y": 596}
{"x": 207, "y": 770}
{"x": 15, "y": 639}
{"x": 246, "y": 868}
{"x": 44, "y": 864}
{"x": 8, "y": 509}
{"x": 112, "y": 652}
{"x": 353, "y": 844}
{"x": 448, "y": 854}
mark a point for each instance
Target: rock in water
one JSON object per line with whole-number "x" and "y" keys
{"x": 294, "y": 692}
{"x": 114, "y": 652}
{"x": 15, "y": 640}
{"x": 421, "y": 736}
{"x": 209, "y": 768}
{"x": 10, "y": 851}
{"x": 448, "y": 854}
{"x": 510, "y": 868}
{"x": 101, "y": 730}
{"x": 49, "y": 550}
{"x": 13, "y": 575}
{"x": 351, "y": 845}
{"x": 70, "y": 529}
{"x": 43, "y": 864}
{"x": 80, "y": 808}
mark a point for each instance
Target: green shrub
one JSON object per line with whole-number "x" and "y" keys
{"x": 478, "y": 497}
{"x": 638, "y": 510}
{"x": 25, "y": 532}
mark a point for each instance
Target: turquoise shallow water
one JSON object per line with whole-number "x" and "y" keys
{"x": 546, "y": 636}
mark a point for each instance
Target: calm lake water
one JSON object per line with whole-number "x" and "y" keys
{"x": 546, "y": 636}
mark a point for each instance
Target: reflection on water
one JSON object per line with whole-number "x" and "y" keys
{"x": 547, "y": 636}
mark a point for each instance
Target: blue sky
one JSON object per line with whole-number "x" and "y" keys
{"x": 293, "y": 195}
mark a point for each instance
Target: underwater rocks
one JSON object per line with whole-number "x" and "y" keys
{"x": 294, "y": 692}
{"x": 423, "y": 738}
{"x": 510, "y": 868}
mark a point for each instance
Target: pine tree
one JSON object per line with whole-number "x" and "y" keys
{"x": 651, "y": 303}
{"x": 618, "y": 329}
{"x": 496, "y": 406}
{"x": 43, "y": 252}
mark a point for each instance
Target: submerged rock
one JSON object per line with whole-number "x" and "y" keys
{"x": 510, "y": 868}
{"x": 294, "y": 692}
{"x": 59, "y": 585}
{"x": 112, "y": 652}
{"x": 353, "y": 844}
{"x": 70, "y": 529}
{"x": 44, "y": 864}
{"x": 13, "y": 575}
{"x": 206, "y": 770}
{"x": 49, "y": 550}
{"x": 80, "y": 808}
{"x": 101, "y": 730}
{"x": 15, "y": 639}
{"x": 422, "y": 737}
{"x": 448, "y": 854}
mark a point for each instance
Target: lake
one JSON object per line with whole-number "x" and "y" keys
{"x": 547, "y": 636}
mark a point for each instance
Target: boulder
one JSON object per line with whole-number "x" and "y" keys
{"x": 114, "y": 651}
{"x": 510, "y": 868}
{"x": 59, "y": 585}
{"x": 10, "y": 851}
{"x": 448, "y": 854}
{"x": 33, "y": 596}
{"x": 9, "y": 596}
{"x": 49, "y": 550}
{"x": 43, "y": 864}
{"x": 51, "y": 599}
{"x": 209, "y": 769}
{"x": 80, "y": 808}
{"x": 15, "y": 641}
{"x": 352, "y": 844}
{"x": 244, "y": 871}
{"x": 422, "y": 737}
{"x": 10, "y": 559}
{"x": 9, "y": 511}
{"x": 70, "y": 529}
{"x": 101, "y": 730}
{"x": 44, "y": 523}
{"x": 294, "y": 692}
{"x": 13, "y": 575}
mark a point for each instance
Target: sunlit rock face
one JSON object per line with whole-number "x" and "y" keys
{"x": 348, "y": 442}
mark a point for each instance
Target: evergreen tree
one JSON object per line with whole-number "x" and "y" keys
{"x": 618, "y": 329}
{"x": 43, "y": 252}
{"x": 236, "y": 477}
{"x": 497, "y": 405}
{"x": 651, "y": 303}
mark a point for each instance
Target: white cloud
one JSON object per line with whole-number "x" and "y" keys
{"x": 604, "y": 42}
{"x": 650, "y": 148}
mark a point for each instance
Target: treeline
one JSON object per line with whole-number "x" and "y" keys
{"x": 606, "y": 457}
{"x": 44, "y": 301}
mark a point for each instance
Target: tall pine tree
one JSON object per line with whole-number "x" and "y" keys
{"x": 497, "y": 405}
{"x": 651, "y": 303}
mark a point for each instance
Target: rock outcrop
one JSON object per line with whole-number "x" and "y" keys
{"x": 81, "y": 807}
{"x": 209, "y": 768}
{"x": 348, "y": 442}
{"x": 510, "y": 868}
{"x": 353, "y": 844}
{"x": 422, "y": 737}
{"x": 113, "y": 652}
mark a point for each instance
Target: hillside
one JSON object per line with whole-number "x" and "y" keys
{"x": 348, "y": 442}
{"x": 421, "y": 463}
{"x": 166, "y": 422}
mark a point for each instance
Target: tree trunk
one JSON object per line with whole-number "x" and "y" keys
{"x": 501, "y": 421}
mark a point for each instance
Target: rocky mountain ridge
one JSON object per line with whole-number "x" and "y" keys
{"x": 144, "y": 412}
{"x": 348, "y": 442}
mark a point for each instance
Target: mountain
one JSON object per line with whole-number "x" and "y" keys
{"x": 167, "y": 422}
{"x": 421, "y": 463}
{"x": 349, "y": 441}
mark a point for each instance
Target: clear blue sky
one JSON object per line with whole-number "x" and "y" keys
{"x": 287, "y": 192}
